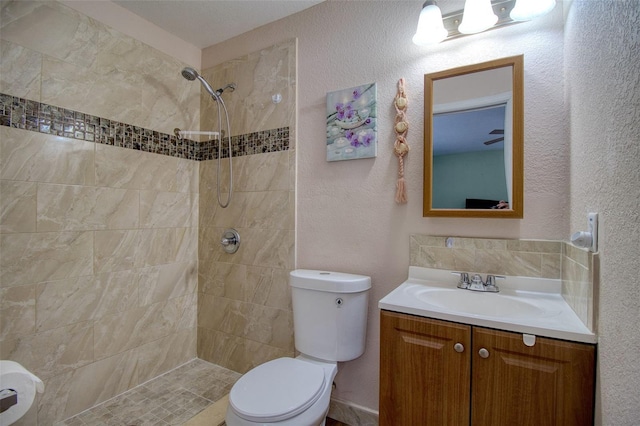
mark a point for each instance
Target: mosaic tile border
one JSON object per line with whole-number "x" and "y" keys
{"x": 251, "y": 143}
{"x": 44, "y": 118}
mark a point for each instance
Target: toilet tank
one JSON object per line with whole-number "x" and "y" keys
{"x": 329, "y": 313}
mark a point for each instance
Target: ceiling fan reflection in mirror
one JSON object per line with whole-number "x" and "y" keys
{"x": 496, "y": 140}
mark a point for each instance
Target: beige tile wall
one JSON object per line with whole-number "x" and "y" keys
{"x": 244, "y": 308}
{"x": 98, "y": 262}
{"x": 244, "y": 303}
{"x": 99, "y": 244}
{"x": 75, "y": 62}
{"x": 96, "y": 278}
{"x": 258, "y": 76}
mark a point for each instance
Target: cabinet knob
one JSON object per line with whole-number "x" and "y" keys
{"x": 483, "y": 353}
{"x": 458, "y": 347}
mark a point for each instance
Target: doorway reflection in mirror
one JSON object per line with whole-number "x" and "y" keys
{"x": 469, "y": 161}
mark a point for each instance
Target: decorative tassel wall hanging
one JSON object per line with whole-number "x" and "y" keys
{"x": 400, "y": 147}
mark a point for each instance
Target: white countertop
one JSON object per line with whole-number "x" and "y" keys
{"x": 551, "y": 317}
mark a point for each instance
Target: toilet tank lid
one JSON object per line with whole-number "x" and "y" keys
{"x": 334, "y": 282}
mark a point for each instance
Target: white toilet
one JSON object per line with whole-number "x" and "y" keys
{"x": 330, "y": 319}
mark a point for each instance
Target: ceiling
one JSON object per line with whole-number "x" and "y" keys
{"x": 204, "y": 23}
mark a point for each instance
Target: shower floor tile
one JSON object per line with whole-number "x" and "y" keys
{"x": 170, "y": 399}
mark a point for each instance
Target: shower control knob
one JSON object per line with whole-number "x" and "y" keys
{"x": 230, "y": 241}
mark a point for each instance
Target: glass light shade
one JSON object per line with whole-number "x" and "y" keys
{"x": 525, "y": 10}
{"x": 430, "y": 27}
{"x": 477, "y": 16}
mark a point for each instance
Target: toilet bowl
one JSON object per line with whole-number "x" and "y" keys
{"x": 283, "y": 392}
{"x": 330, "y": 313}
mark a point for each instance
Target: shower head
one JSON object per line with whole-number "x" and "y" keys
{"x": 191, "y": 74}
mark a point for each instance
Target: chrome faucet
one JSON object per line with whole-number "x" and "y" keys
{"x": 464, "y": 280}
{"x": 476, "y": 283}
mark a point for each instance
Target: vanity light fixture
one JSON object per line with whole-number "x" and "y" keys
{"x": 430, "y": 28}
{"x": 525, "y": 10}
{"x": 477, "y": 16}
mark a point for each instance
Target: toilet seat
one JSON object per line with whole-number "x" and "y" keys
{"x": 277, "y": 390}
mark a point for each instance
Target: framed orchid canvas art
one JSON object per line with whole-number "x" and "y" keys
{"x": 351, "y": 123}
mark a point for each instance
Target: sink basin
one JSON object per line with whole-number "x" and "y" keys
{"x": 523, "y": 305}
{"x": 478, "y": 303}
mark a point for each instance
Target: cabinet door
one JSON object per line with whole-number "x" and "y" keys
{"x": 423, "y": 379}
{"x": 550, "y": 383}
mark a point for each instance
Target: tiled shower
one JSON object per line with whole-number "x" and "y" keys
{"x": 111, "y": 271}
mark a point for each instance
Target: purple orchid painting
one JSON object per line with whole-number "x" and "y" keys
{"x": 351, "y": 123}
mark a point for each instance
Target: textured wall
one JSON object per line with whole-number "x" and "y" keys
{"x": 602, "y": 73}
{"x": 346, "y": 217}
{"x": 98, "y": 265}
{"x": 244, "y": 304}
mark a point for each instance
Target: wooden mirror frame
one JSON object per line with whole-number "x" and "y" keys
{"x": 516, "y": 203}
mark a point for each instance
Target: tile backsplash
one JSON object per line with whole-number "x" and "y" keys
{"x": 580, "y": 282}
{"x": 527, "y": 258}
{"x": 577, "y": 268}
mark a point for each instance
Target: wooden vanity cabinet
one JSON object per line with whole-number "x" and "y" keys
{"x": 423, "y": 380}
{"x": 496, "y": 380}
{"x": 549, "y": 383}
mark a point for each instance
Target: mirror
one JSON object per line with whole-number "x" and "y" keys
{"x": 473, "y": 140}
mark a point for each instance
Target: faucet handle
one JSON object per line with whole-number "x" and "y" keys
{"x": 464, "y": 279}
{"x": 491, "y": 282}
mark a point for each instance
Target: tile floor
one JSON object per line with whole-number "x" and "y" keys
{"x": 170, "y": 399}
